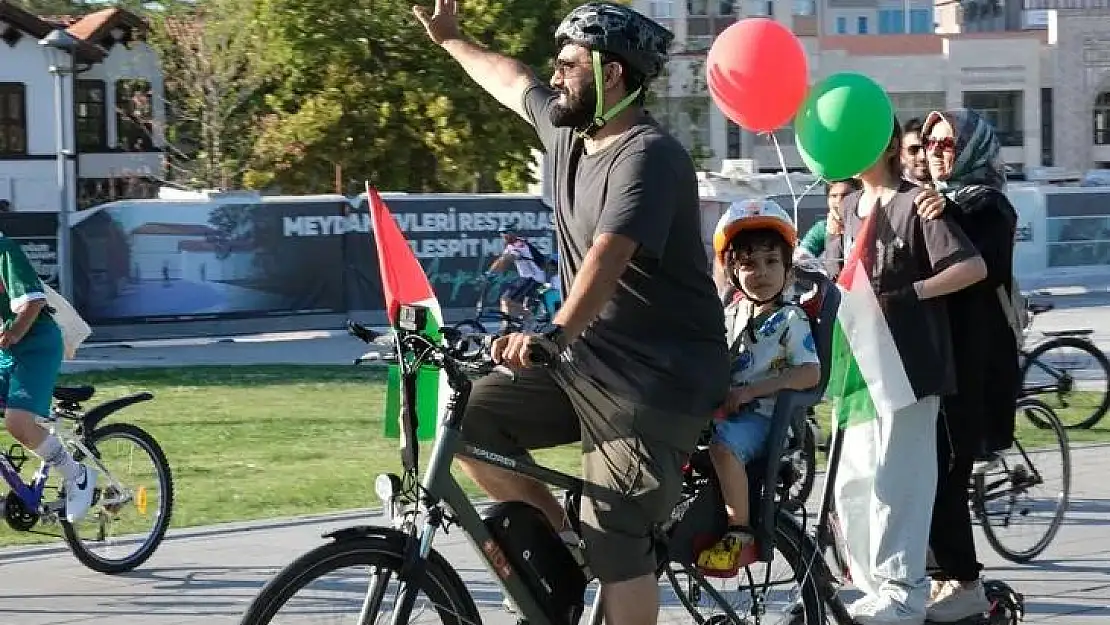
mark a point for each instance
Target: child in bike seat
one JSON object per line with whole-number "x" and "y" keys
{"x": 771, "y": 348}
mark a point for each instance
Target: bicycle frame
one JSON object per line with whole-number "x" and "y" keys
{"x": 29, "y": 494}
{"x": 439, "y": 488}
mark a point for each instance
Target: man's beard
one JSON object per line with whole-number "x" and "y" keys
{"x": 576, "y": 111}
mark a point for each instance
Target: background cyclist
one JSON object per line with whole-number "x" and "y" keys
{"x": 521, "y": 255}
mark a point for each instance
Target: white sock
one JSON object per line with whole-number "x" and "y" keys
{"x": 55, "y": 454}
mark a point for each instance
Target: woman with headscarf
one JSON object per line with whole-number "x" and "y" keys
{"x": 965, "y": 164}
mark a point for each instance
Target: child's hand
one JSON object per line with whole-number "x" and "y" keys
{"x": 737, "y": 397}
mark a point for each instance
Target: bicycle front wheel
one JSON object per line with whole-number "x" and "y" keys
{"x": 1072, "y": 376}
{"x": 1021, "y": 495}
{"x": 352, "y": 580}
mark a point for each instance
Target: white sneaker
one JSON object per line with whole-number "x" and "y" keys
{"x": 956, "y": 602}
{"x": 79, "y": 494}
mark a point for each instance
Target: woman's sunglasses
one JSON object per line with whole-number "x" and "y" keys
{"x": 947, "y": 144}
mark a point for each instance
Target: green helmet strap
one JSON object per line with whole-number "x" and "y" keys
{"x": 601, "y": 116}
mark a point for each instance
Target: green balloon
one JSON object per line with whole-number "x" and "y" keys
{"x": 844, "y": 126}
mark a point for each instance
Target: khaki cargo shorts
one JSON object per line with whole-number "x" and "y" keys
{"x": 632, "y": 455}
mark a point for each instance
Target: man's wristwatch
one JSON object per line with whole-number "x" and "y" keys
{"x": 553, "y": 333}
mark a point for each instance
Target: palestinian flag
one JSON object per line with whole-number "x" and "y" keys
{"x": 405, "y": 283}
{"x": 868, "y": 385}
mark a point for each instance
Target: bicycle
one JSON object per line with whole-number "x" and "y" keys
{"x": 26, "y": 504}
{"x": 1049, "y": 372}
{"x": 534, "y": 303}
{"x": 531, "y": 563}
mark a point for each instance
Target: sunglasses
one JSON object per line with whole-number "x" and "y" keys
{"x": 947, "y": 144}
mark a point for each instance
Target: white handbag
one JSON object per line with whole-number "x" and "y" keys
{"x": 74, "y": 329}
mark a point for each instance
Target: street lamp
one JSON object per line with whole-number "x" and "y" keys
{"x": 60, "y": 46}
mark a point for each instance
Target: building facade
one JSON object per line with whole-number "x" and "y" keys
{"x": 108, "y": 119}
{"x": 1040, "y": 73}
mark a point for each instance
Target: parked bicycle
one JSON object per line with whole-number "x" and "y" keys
{"x": 110, "y": 538}
{"x": 1067, "y": 371}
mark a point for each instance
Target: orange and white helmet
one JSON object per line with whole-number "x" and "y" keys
{"x": 750, "y": 214}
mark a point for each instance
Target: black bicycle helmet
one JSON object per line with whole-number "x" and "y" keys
{"x": 604, "y": 27}
{"x": 619, "y": 30}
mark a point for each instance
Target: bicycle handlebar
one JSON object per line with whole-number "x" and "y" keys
{"x": 469, "y": 354}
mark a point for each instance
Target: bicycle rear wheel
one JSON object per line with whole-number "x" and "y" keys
{"x": 753, "y": 591}
{"x": 129, "y": 519}
{"x": 1024, "y": 490}
{"x": 1072, "y": 376}
{"x": 353, "y": 576}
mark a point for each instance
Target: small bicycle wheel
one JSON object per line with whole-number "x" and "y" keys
{"x": 1020, "y": 495}
{"x": 1071, "y": 376}
{"x": 758, "y": 589}
{"x": 352, "y": 577}
{"x": 132, "y": 512}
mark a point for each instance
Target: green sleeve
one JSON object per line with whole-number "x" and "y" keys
{"x": 814, "y": 240}
{"x": 21, "y": 281}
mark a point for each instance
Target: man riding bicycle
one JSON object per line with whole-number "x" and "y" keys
{"x": 523, "y": 256}
{"x": 641, "y": 331}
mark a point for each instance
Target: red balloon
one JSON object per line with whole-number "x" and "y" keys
{"x": 757, "y": 74}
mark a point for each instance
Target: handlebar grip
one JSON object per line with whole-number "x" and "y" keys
{"x": 540, "y": 356}
{"x": 361, "y": 332}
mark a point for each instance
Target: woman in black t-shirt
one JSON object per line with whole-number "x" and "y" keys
{"x": 911, "y": 264}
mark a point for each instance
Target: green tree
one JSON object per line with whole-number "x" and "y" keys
{"x": 215, "y": 73}
{"x": 362, "y": 88}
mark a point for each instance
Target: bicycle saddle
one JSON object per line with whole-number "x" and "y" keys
{"x": 75, "y": 394}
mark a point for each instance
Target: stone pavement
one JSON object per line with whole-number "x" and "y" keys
{"x": 208, "y": 577}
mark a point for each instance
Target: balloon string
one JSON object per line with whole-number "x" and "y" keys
{"x": 785, "y": 174}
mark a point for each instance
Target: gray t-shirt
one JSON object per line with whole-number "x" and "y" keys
{"x": 660, "y": 341}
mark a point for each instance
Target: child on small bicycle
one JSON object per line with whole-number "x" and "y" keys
{"x": 771, "y": 347}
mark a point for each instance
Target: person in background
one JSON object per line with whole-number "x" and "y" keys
{"x": 814, "y": 240}
{"x": 966, "y": 167}
{"x": 524, "y": 256}
{"x": 915, "y": 166}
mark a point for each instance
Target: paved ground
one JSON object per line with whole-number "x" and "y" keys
{"x": 208, "y": 577}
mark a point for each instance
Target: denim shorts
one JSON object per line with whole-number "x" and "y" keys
{"x": 744, "y": 433}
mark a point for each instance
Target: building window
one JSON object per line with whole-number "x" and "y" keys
{"x": 805, "y": 7}
{"x": 892, "y": 21}
{"x": 134, "y": 116}
{"x": 726, "y": 7}
{"x": 861, "y": 24}
{"x": 1046, "y": 127}
{"x": 916, "y": 104}
{"x": 921, "y": 21}
{"x": 13, "y": 118}
{"x": 734, "y": 147}
{"x": 697, "y": 7}
{"x": 842, "y": 26}
{"x": 661, "y": 9}
{"x": 1102, "y": 119}
{"x": 1003, "y": 110}
{"x": 92, "y": 131}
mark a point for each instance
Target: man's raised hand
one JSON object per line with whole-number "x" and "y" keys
{"x": 443, "y": 24}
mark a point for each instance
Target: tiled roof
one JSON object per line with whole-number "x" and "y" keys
{"x": 88, "y": 29}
